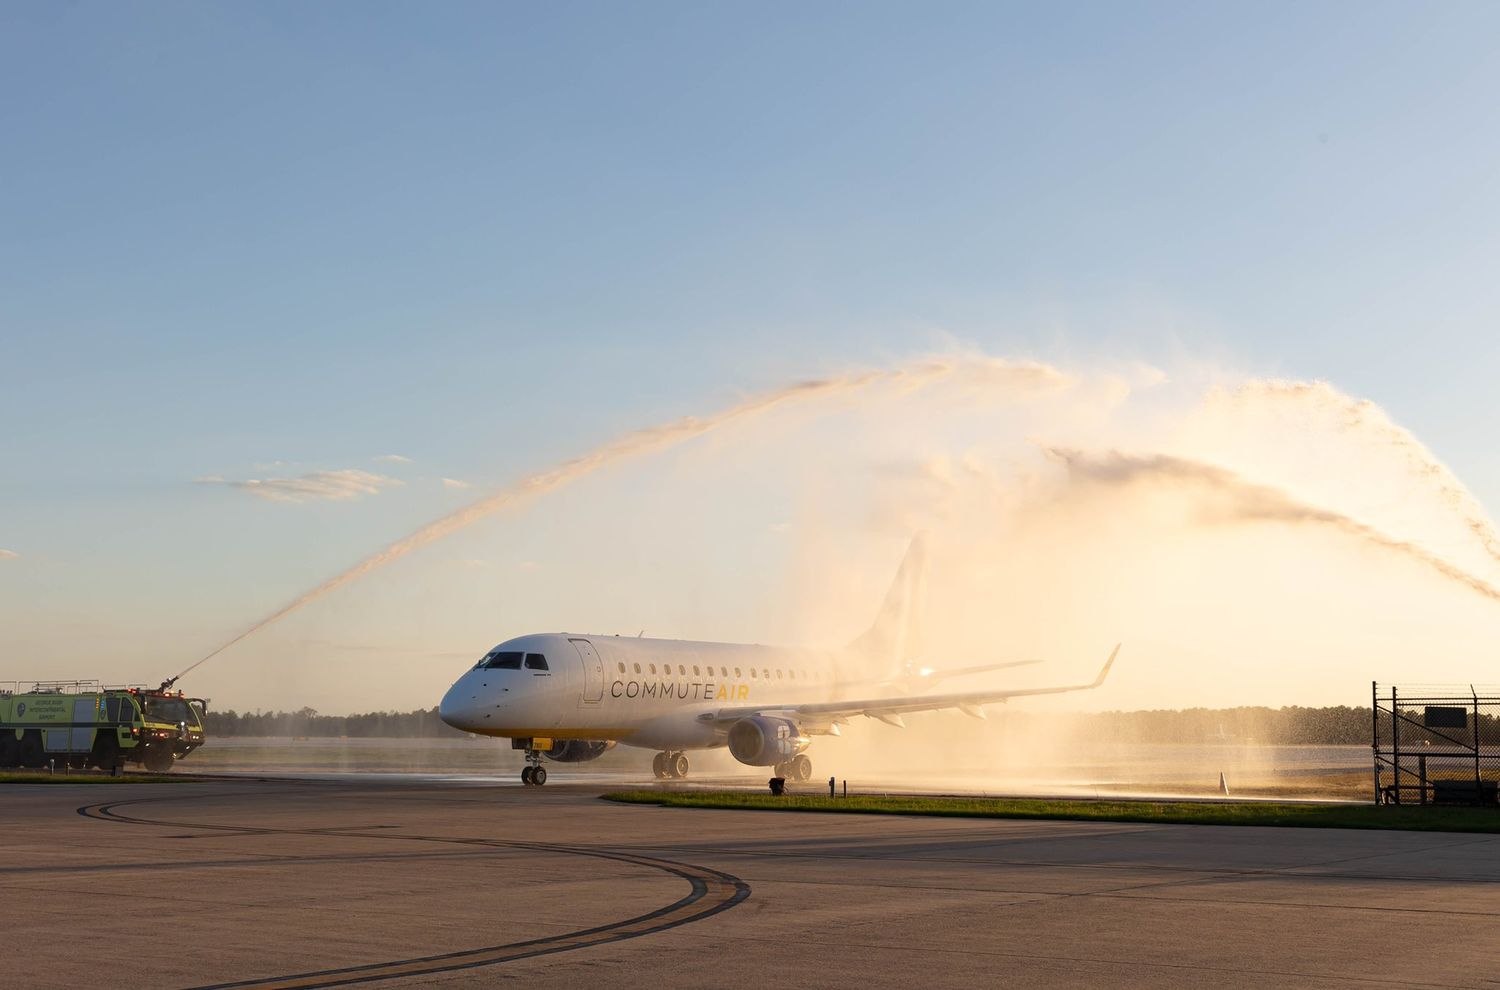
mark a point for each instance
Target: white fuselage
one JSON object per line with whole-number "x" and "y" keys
{"x": 638, "y": 692}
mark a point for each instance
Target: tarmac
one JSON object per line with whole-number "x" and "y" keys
{"x": 324, "y": 883}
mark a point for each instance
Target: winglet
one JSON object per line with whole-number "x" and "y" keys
{"x": 1104, "y": 671}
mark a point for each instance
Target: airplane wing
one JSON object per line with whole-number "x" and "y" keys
{"x": 891, "y": 709}
{"x": 927, "y": 676}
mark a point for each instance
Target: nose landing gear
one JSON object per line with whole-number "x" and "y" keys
{"x": 798, "y": 768}
{"x": 670, "y": 766}
{"x": 534, "y": 775}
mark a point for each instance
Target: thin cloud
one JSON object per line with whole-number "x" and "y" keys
{"x": 393, "y": 459}
{"x": 455, "y": 483}
{"x": 329, "y": 486}
{"x": 8, "y": 555}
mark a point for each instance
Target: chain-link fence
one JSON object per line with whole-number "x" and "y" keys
{"x": 1435, "y": 743}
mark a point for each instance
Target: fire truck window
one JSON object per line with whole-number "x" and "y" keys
{"x": 168, "y": 710}
{"x": 535, "y": 661}
{"x": 112, "y": 709}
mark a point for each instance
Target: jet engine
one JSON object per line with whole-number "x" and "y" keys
{"x": 762, "y": 741}
{"x": 578, "y": 750}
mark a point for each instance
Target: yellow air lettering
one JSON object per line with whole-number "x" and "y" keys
{"x": 744, "y": 693}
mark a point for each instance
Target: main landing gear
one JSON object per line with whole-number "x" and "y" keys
{"x": 670, "y": 766}
{"x": 535, "y": 775}
{"x": 798, "y": 768}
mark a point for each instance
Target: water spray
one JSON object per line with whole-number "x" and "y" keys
{"x": 1020, "y": 375}
{"x": 1232, "y": 496}
{"x": 1244, "y": 500}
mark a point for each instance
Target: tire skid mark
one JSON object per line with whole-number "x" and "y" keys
{"x": 711, "y": 892}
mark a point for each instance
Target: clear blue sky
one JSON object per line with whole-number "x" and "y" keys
{"x": 485, "y": 236}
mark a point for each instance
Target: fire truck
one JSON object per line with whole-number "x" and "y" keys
{"x": 83, "y": 724}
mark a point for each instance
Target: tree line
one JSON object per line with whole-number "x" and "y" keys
{"x": 420, "y": 723}
{"x": 1284, "y": 726}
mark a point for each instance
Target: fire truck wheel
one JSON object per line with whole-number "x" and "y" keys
{"x": 106, "y": 753}
{"x": 32, "y": 754}
{"x": 158, "y": 760}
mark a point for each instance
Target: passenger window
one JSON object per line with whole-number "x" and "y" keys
{"x": 695, "y": 671}
{"x": 637, "y": 668}
{"x": 778, "y": 673}
{"x": 622, "y": 668}
{"x": 738, "y": 674}
{"x": 653, "y": 668}
{"x": 535, "y": 661}
{"x": 681, "y": 670}
{"x": 723, "y": 671}
{"x": 752, "y": 672}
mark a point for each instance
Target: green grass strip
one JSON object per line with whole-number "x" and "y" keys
{"x": 1253, "y": 813}
{"x": 31, "y": 777}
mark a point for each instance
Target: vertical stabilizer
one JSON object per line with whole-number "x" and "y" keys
{"x": 895, "y": 637}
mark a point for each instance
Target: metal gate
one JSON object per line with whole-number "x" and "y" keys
{"x": 1435, "y": 744}
{"x": 593, "y": 671}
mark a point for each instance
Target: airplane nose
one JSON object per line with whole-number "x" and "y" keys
{"x": 457, "y": 706}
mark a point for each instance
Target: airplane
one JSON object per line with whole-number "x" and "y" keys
{"x": 571, "y": 698}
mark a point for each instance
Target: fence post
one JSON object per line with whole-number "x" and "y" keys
{"x": 1375, "y": 733}
{"x": 1396, "y": 742}
{"x": 1478, "y": 785}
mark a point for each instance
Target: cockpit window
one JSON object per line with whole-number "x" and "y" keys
{"x": 535, "y": 661}
{"x": 501, "y": 660}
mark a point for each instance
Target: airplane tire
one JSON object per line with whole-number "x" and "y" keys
{"x": 659, "y": 765}
{"x": 801, "y": 769}
{"x": 526, "y": 775}
{"x": 539, "y": 776}
{"x": 679, "y": 765}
